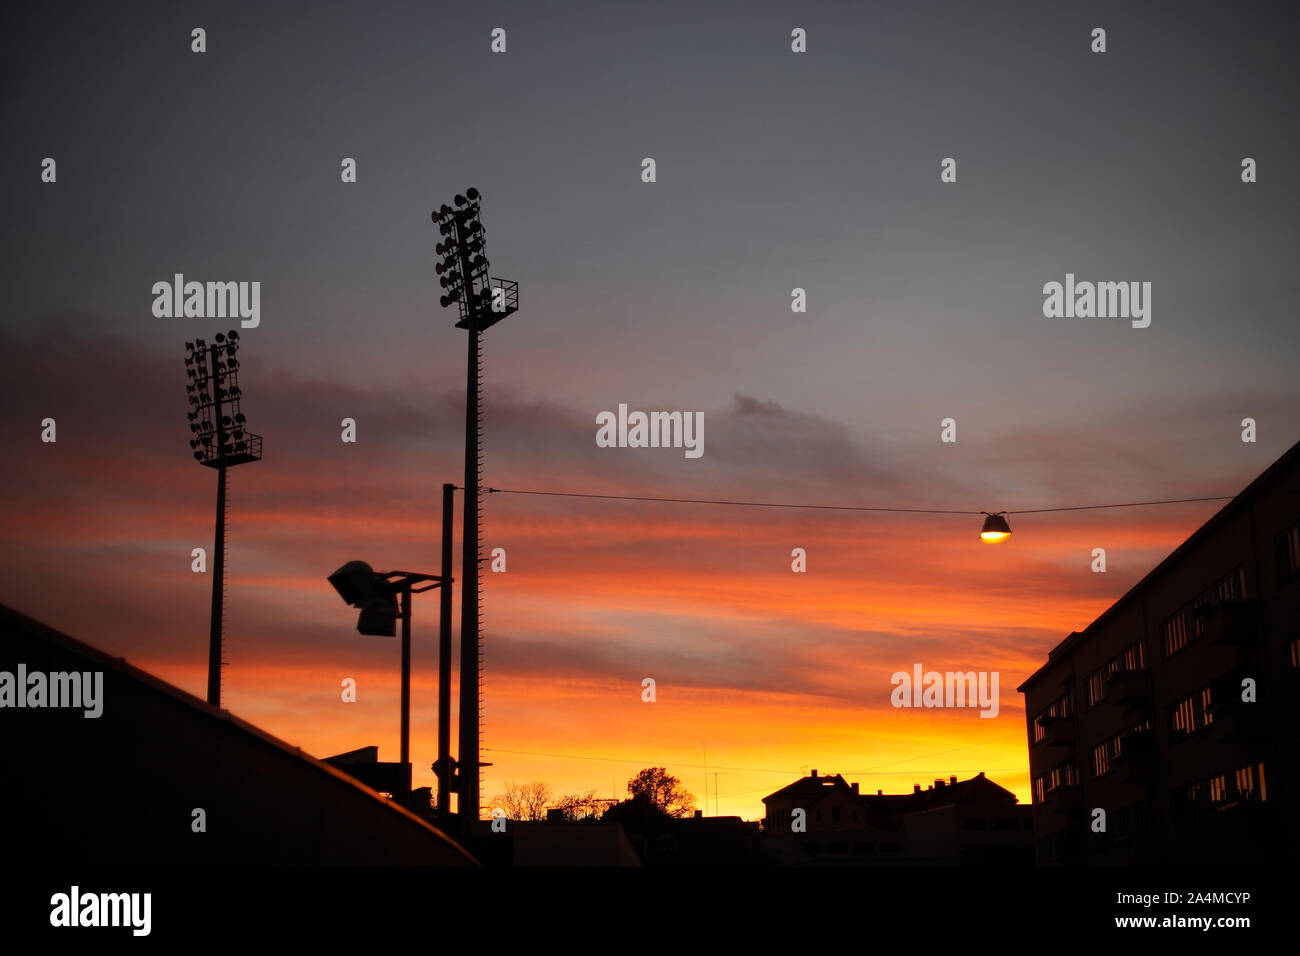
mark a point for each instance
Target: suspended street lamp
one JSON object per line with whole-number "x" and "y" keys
{"x": 995, "y": 528}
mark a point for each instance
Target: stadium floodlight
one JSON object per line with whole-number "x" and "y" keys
{"x": 482, "y": 301}
{"x": 213, "y": 447}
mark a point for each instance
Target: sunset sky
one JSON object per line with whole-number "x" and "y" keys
{"x": 774, "y": 171}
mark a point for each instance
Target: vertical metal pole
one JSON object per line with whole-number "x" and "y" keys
{"x": 218, "y": 573}
{"x": 406, "y": 687}
{"x": 469, "y": 690}
{"x": 219, "y": 546}
{"x": 444, "y": 656}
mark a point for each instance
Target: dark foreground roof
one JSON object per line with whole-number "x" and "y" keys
{"x": 121, "y": 789}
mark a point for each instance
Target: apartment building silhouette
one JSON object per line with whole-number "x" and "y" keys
{"x": 971, "y": 822}
{"x": 1172, "y": 718}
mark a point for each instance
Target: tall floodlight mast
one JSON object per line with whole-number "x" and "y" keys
{"x": 220, "y": 440}
{"x": 482, "y": 302}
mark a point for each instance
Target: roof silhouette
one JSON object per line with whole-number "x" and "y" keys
{"x": 125, "y": 788}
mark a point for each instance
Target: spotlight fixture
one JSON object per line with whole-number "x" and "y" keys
{"x": 384, "y": 598}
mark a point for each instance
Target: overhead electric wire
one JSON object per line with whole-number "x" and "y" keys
{"x": 1129, "y": 504}
{"x": 715, "y": 501}
{"x": 827, "y": 507}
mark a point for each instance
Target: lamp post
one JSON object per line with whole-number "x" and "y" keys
{"x": 384, "y": 597}
{"x": 444, "y": 765}
{"x": 220, "y": 441}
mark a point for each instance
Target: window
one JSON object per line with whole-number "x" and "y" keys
{"x": 1040, "y": 791}
{"x": 1295, "y": 652}
{"x": 1063, "y": 706}
{"x": 1201, "y": 800}
{"x": 1250, "y": 782}
{"x": 1104, "y": 754}
{"x": 1192, "y": 713}
{"x": 1232, "y": 586}
{"x": 1101, "y": 759}
{"x": 1245, "y": 782}
{"x": 1133, "y": 658}
{"x": 1182, "y": 719}
{"x": 1095, "y": 692}
{"x": 835, "y": 814}
{"x": 1218, "y": 789}
{"x": 1288, "y": 553}
{"x": 1175, "y": 633}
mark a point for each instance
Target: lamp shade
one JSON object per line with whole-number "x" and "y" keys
{"x": 995, "y": 529}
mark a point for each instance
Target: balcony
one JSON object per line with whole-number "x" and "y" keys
{"x": 1136, "y": 761}
{"x": 1232, "y": 623}
{"x": 1240, "y": 721}
{"x": 1256, "y": 818}
{"x": 1129, "y": 689}
{"x": 1067, "y": 798}
{"x": 1060, "y": 732}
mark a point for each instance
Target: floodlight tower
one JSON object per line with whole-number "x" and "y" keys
{"x": 220, "y": 441}
{"x": 482, "y": 301}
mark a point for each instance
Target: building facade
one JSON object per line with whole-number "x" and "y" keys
{"x": 1166, "y": 731}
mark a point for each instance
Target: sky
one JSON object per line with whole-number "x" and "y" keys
{"x": 775, "y": 170}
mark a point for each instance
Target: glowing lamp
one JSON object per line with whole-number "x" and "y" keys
{"x": 995, "y": 528}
